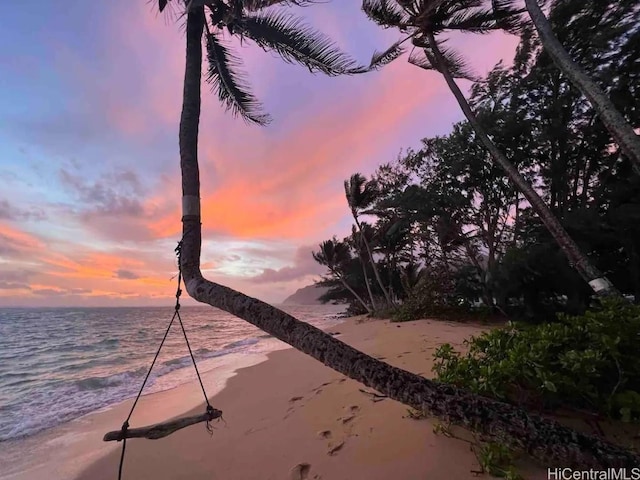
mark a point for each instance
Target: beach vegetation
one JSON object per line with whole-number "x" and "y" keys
{"x": 453, "y": 236}
{"x": 497, "y": 459}
{"x": 588, "y": 362}
{"x": 618, "y": 17}
{"x": 425, "y": 23}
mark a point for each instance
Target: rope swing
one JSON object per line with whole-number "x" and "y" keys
{"x": 160, "y": 430}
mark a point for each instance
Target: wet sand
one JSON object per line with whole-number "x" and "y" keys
{"x": 293, "y": 418}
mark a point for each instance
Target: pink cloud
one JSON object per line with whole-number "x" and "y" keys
{"x": 280, "y": 183}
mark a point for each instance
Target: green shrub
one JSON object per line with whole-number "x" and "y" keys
{"x": 496, "y": 459}
{"x": 590, "y": 361}
{"x": 432, "y": 296}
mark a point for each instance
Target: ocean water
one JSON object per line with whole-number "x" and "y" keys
{"x": 73, "y": 361}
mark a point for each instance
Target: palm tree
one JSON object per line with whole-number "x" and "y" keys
{"x": 334, "y": 254}
{"x": 357, "y": 237}
{"x": 361, "y": 194}
{"x": 410, "y": 277}
{"x": 392, "y": 238}
{"x": 544, "y": 438}
{"x": 613, "y": 120}
{"x": 422, "y": 21}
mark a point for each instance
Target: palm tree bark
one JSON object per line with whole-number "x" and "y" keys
{"x": 366, "y": 281}
{"x": 358, "y": 240}
{"x": 543, "y": 438}
{"x": 587, "y": 270}
{"x": 354, "y": 293}
{"x": 373, "y": 263}
{"x": 620, "y": 129}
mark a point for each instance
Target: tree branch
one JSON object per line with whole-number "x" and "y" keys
{"x": 160, "y": 430}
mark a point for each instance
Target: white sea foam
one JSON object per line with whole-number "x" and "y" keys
{"x": 76, "y": 361}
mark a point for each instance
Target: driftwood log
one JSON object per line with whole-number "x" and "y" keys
{"x": 160, "y": 430}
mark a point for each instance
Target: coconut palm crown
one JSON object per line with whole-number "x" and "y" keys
{"x": 419, "y": 19}
{"x": 253, "y": 21}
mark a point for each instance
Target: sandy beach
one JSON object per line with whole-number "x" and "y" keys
{"x": 288, "y": 417}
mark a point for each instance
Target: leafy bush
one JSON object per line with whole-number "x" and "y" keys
{"x": 433, "y": 295}
{"x": 590, "y": 361}
{"x": 496, "y": 459}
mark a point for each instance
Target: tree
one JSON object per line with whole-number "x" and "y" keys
{"x": 361, "y": 194}
{"x": 335, "y": 255}
{"x": 473, "y": 191}
{"x": 358, "y": 239}
{"x": 424, "y": 20}
{"x": 392, "y": 239}
{"x": 620, "y": 129}
{"x": 542, "y": 437}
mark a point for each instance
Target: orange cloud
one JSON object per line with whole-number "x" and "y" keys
{"x": 11, "y": 238}
{"x": 279, "y": 183}
{"x": 295, "y": 189}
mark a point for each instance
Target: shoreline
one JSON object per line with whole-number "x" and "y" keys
{"x": 63, "y": 451}
{"x": 291, "y": 417}
{"x": 285, "y": 416}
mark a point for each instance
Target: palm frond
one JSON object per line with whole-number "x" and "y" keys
{"x": 422, "y": 58}
{"x": 256, "y": 5}
{"x": 192, "y": 4}
{"x": 460, "y": 5}
{"x": 454, "y": 62}
{"x": 480, "y": 20}
{"x": 230, "y": 85}
{"x": 296, "y": 42}
{"x": 509, "y": 16}
{"x": 360, "y": 192}
{"x": 172, "y": 10}
{"x": 380, "y": 59}
{"x": 384, "y": 13}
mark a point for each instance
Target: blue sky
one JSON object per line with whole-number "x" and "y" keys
{"x": 89, "y": 177}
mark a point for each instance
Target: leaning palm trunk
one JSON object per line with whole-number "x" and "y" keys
{"x": 542, "y": 438}
{"x": 587, "y": 270}
{"x": 355, "y": 294}
{"x": 366, "y": 281}
{"x": 374, "y": 267}
{"x": 615, "y": 122}
{"x": 358, "y": 240}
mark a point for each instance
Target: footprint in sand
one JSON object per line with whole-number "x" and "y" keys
{"x": 325, "y": 434}
{"x": 292, "y": 406}
{"x": 318, "y": 390}
{"x": 335, "y": 449}
{"x": 300, "y": 472}
{"x": 352, "y": 413}
{"x": 347, "y": 419}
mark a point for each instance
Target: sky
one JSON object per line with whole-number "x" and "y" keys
{"x": 90, "y": 97}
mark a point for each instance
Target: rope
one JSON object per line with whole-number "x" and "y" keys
{"x": 176, "y": 313}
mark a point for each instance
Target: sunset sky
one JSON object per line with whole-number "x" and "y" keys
{"x": 89, "y": 169}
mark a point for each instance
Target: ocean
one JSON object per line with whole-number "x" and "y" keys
{"x": 74, "y": 361}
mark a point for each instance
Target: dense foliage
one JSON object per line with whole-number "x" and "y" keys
{"x": 582, "y": 362}
{"x": 448, "y": 230}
